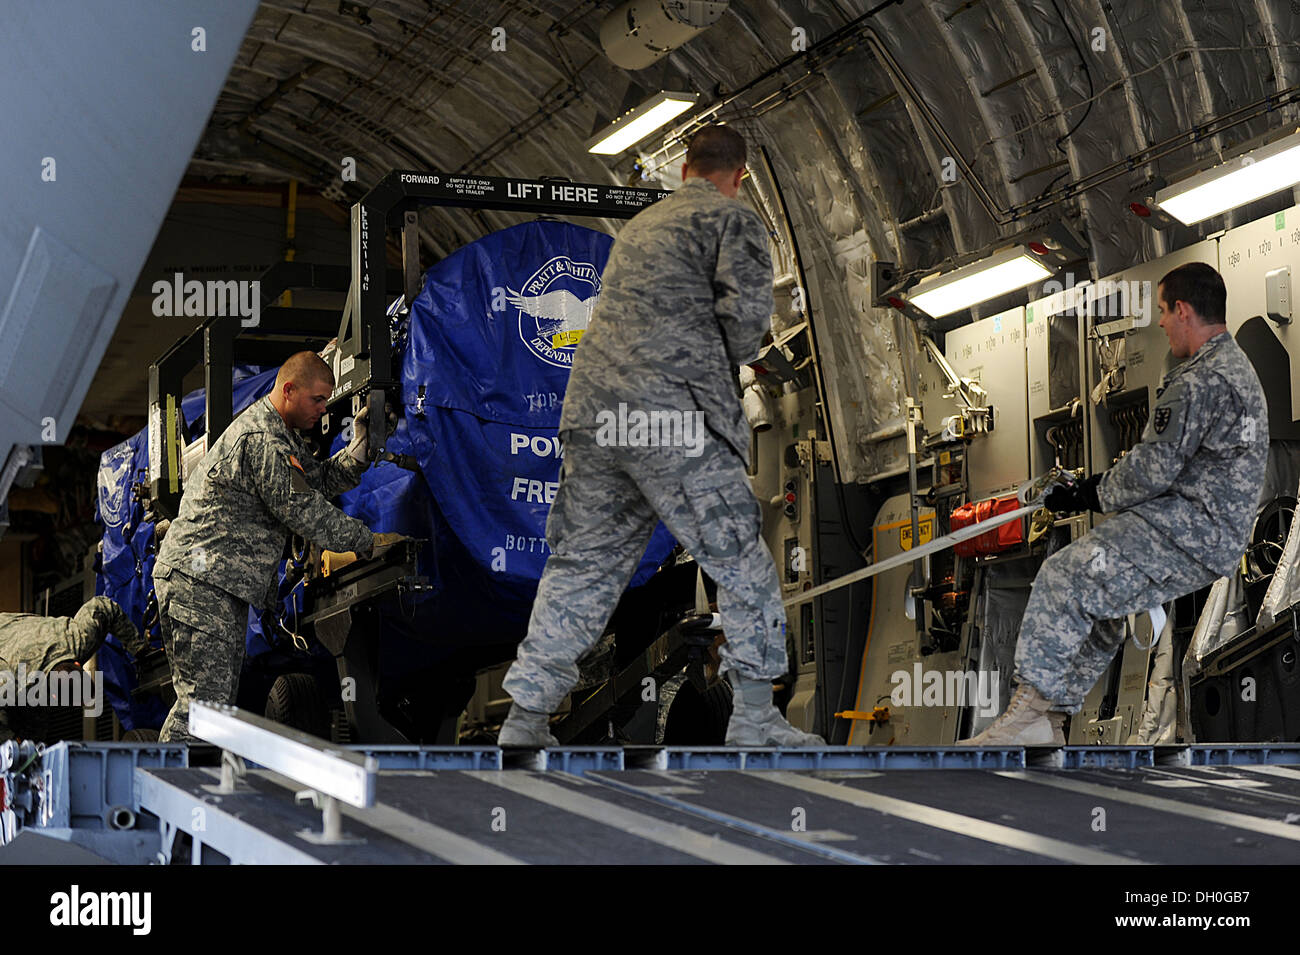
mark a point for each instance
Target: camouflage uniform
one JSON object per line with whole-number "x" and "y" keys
{"x": 1186, "y": 497}
{"x": 685, "y": 298}
{"x": 39, "y": 644}
{"x": 256, "y": 485}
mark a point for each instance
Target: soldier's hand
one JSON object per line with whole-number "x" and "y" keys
{"x": 333, "y": 560}
{"x": 130, "y": 639}
{"x": 1079, "y": 496}
{"x": 360, "y": 436}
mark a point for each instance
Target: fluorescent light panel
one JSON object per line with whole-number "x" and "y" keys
{"x": 1234, "y": 183}
{"x": 650, "y": 116}
{"x": 978, "y": 282}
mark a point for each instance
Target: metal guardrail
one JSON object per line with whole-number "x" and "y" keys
{"x": 330, "y": 772}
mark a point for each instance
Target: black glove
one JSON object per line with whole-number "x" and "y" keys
{"x": 1079, "y": 496}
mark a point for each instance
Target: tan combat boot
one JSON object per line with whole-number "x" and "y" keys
{"x": 526, "y": 729}
{"x": 755, "y": 721}
{"x": 1057, "y": 719}
{"x": 1024, "y": 723}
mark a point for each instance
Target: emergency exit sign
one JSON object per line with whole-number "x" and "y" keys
{"x": 905, "y": 533}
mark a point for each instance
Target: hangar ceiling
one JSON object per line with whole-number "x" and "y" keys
{"x": 1035, "y": 95}
{"x": 913, "y": 131}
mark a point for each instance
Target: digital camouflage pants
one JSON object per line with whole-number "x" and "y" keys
{"x": 604, "y": 512}
{"x": 203, "y": 632}
{"x": 1068, "y": 635}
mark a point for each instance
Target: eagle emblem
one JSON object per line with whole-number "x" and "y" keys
{"x": 554, "y": 312}
{"x": 555, "y": 306}
{"x": 1161, "y": 421}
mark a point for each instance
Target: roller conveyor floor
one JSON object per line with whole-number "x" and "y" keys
{"x": 1095, "y": 806}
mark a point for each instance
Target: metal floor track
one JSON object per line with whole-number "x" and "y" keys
{"x": 1220, "y": 804}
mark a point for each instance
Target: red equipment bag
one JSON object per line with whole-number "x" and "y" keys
{"x": 996, "y": 540}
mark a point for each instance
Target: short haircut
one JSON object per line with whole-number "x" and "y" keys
{"x": 304, "y": 369}
{"x": 1201, "y": 287}
{"x": 715, "y": 148}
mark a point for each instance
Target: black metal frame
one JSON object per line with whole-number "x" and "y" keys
{"x": 366, "y": 372}
{"x": 685, "y": 644}
{"x": 217, "y": 343}
{"x": 343, "y": 616}
{"x": 365, "y": 353}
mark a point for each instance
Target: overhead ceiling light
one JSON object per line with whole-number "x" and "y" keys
{"x": 636, "y": 124}
{"x": 980, "y": 281}
{"x": 1254, "y": 175}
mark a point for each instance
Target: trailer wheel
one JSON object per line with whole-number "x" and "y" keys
{"x": 699, "y": 719}
{"x": 296, "y": 700}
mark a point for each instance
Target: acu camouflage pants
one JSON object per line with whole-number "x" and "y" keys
{"x": 1068, "y": 636}
{"x": 605, "y": 510}
{"x": 203, "y": 632}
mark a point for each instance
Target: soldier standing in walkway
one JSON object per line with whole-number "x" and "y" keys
{"x": 686, "y": 297}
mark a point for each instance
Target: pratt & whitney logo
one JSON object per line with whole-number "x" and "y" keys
{"x": 554, "y": 307}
